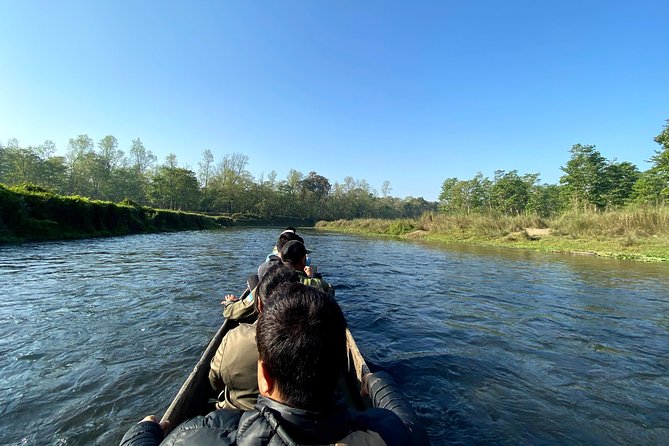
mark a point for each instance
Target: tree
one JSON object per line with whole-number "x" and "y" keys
{"x": 510, "y": 192}
{"x": 206, "y": 166}
{"x": 584, "y": 178}
{"x": 385, "y": 189}
{"x": 619, "y": 180}
{"x": 465, "y": 196}
{"x": 230, "y": 183}
{"x": 447, "y": 197}
{"x": 661, "y": 158}
{"x": 652, "y": 187}
{"x": 173, "y": 187}
{"x": 142, "y": 159}
{"x": 546, "y": 200}
{"x": 316, "y": 184}
{"x": 78, "y": 149}
{"x": 109, "y": 152}
{"x": 109, "y": 157}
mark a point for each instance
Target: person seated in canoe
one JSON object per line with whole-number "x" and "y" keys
{"x": 233, "y": 370}
{"x": 275, "y": 257}
{"x": 301, "y": 339}
{"x": 243, "y": 309}
{"x": 289, "y": 229}
{"x": 294, "y": 254}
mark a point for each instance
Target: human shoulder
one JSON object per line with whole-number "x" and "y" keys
{"x": 387, "y": 424}
{"x": 361, "y": 438}
{"x": 242, "y": 331}
{"x": 216, "y": 428}
{"x": 316, "y": 283}
{"x": 238, "y": 341}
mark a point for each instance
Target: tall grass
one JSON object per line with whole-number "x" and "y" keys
{"x": 628, "y": 222}
{"x": 371, "y": 226}
{"x": 488, "y": 225}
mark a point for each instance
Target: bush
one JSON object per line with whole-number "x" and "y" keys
{"x": 33, "y": 213}
{"x": 399, "y": 227}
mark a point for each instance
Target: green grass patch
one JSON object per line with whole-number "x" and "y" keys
{"x": 633, "y": 233}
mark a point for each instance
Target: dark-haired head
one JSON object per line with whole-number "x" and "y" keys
{"x": 286, "y": 237}
{"x": 301, "y": 337}
{"x": 275, "y": 276}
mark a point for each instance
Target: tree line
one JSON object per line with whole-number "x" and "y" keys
{"x": 103, "y": 171}
{"x": 590, "y": 181}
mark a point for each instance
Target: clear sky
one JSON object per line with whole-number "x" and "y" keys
{"x": 411, "y": 92}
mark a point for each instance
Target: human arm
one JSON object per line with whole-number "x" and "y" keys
{"x": 147, "y": 432}
{"x": 216, "y": 367}
{"x": 240, "y": 309}
{"x": 229, "y": 299}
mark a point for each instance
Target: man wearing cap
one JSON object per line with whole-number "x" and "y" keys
{"x": 244, "y": 309}
{"x": 294, "y": 254}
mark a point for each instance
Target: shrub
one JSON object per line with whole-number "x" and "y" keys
{"x": 399, "y": 227}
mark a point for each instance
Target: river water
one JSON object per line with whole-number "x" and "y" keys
{"x": 491, "y": 346}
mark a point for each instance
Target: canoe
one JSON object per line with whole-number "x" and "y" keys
{"x": 196, "y": 396}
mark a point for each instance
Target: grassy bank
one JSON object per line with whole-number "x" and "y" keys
{"x": 633, "y": 233}
{"x": 30, "y": 213}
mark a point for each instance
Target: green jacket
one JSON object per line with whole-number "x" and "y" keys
{"x": 234, "y": 374}
{"x": 240, "y": 310}
{"x": 316, "y": 283}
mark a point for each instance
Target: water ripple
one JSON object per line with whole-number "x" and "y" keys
{"x": 491, "y": 346}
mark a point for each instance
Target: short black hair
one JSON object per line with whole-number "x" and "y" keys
{"x": 286, "y": 237}
{"x": 301, "y": 338}
{"x": 292, "y": 252}
{"x": 275, "y": 276}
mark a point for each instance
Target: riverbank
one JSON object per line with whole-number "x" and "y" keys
{"x": 33, "y": 214}
{"x": 637, "y": 234}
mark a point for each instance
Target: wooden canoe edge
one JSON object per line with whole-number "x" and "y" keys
{"x": 357, "y": 363}
{"x": 175, "y": 412}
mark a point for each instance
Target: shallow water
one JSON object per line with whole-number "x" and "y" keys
{"x": 491, "y": 346}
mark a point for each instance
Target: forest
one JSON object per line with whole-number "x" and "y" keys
{"x": 589, "y": 182}
{"x": 102, "y": 171}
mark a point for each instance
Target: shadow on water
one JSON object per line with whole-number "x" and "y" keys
{"x": 491, "y": 346}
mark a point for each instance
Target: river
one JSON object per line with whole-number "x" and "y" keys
{"x": 491, "y": 346}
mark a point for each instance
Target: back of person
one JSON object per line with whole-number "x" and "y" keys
{"x": 301, "y": 340}
{"x": 232, "y": 374}
{"x": 294, "y": 254}
{"x": 233, "y": 370}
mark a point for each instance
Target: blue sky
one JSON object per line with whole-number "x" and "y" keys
{"x": 409, "y": 92}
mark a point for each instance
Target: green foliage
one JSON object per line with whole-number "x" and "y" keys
{"x": 584, "y": 181}
{"x": 400, "y": 227}
{"x": 34, "y": 213}
{"x": 465, "y": 196}
{"x": 510, "y": 192}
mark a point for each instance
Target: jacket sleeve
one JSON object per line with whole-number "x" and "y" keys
{"x": 146, "y": 433}
{"x": 215, "y": 367}
{"x": 241, "y": 309}
{"x": 385, "y": 395}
